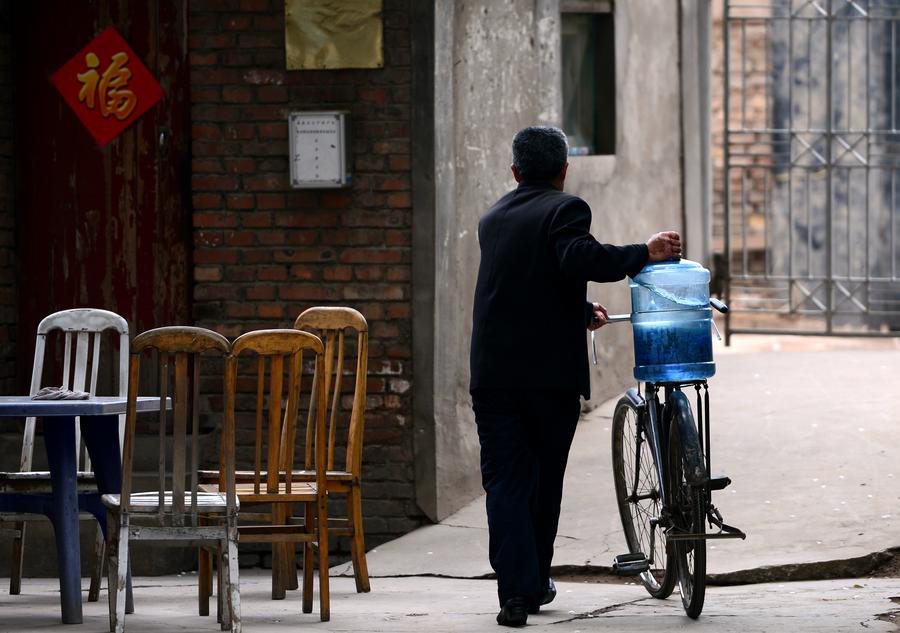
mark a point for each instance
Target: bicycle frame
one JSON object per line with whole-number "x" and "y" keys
{"x": 681, "y": 495}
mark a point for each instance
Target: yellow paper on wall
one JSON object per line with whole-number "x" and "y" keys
{"x": 321, "y": 34}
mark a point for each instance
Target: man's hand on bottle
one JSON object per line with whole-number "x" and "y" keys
{"x": 663, "y": 246}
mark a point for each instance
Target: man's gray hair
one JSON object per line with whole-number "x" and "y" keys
{"x": 539, "y": 152}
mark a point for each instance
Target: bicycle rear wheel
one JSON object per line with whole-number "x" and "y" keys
{"x": 638, "y": 497}
{"x": 688, "y": 508}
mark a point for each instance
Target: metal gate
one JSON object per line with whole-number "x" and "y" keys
{"x": 811, "y": 155}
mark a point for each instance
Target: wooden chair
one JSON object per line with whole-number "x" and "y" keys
{"x": 331, "y": 324}
{"x": 172, "y": 515}
{"x": 83, "y": 328}
{"x": 271, "y": 481}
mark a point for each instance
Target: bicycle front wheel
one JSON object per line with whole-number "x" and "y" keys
{"x": 688, "y": 508}
{"x": 638, "y": 497}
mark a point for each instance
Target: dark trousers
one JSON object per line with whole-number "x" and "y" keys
{"x": 525, "y": 438}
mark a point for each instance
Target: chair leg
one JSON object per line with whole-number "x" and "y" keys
{"x": 289, "y": 556}
{"x": 278, "y": 576}
{"x": 233, "y": 576}
{"x": 224, "y": 585}
{"x": 122, "y": 579}
{"x": 112, "y": 567}
{"x": 15, "y": 560}
{"x": 99, "y": 557}
{"x": 322, "y": 540}
{"x": 118, "y": 574}
{"x": 220, "y": 586}
{"x": 308, "y": 561}
{"x": 290, "y": 553}
{"x": 358, "y": 541}
{"x": 204, "y": 580}
{"x": 129, "y": 593}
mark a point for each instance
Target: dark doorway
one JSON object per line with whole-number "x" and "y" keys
{"x": 100, "y": 227}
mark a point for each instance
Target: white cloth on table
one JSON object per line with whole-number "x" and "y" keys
{"x": 60, "y": 393}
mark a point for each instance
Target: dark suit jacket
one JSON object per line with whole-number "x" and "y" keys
{"x": 530, "y": 314}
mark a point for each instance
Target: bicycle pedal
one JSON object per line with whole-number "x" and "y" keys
{"x": 630, "y": 564}
{"x": 719, "y": 482}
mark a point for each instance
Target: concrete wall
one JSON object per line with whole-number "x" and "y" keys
{"x": 496, "y": 70}
{"x": 696, "y": 118}
{"x": 489, "y": 62}
{"x": 638, "y": 191}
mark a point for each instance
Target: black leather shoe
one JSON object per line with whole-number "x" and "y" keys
{"x": 549, "y": 595}
{"x": 513, "y": 613}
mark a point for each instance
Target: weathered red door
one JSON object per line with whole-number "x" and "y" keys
{"x": 105, "y": 228}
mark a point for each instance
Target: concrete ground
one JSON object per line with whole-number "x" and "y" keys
{"x": 808, "y": 429}
{"x": 442, "y": 605}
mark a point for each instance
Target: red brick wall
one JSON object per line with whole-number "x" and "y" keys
{"x": 265, "y": 252}
{"x": 7, "y": 237}
{"x": 750, "y": 83}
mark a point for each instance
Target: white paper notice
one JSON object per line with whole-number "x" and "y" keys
{"x": 317, "y": 147}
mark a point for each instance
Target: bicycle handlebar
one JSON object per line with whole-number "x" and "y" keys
{"x": 619, "y": 318}
{"x": 715, "y": 303}
{"x": 718, "y": 305}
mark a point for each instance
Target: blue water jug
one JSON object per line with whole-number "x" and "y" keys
{"x": 671, "y": 320}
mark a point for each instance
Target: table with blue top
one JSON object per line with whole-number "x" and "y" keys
{"x": 100, "y": 429}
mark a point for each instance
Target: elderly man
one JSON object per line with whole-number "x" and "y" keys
{"x": 529, "y": 360}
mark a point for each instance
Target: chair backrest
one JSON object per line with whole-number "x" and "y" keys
{"x": 82, "y": 328}
{"x": 276, "y": 347}
{"x": 331, "y": 324}
{"x": 186, "y": 344}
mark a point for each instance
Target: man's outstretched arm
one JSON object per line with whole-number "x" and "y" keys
{"x": 583, "y": 257}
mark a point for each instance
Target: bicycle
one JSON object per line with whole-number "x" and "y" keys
{"x": 661, "y": 470}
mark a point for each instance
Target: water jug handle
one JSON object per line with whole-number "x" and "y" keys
{"x": 718, "y": 305}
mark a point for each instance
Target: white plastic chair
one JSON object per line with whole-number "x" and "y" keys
{"x": 83, "y": 328}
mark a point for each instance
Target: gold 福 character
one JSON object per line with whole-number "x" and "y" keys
{"x": 111, "y": 89}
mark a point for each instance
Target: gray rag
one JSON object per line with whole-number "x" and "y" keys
{"x": 60, "y": 393}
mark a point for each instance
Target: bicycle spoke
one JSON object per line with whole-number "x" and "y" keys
{"x": 643, "y": 510}
{"x": 638, "y": 497}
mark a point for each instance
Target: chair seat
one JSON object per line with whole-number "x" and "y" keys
{"x": 16, "y": 517}
{"x": 334, "y": 475}
{"x": 38, "y": 481}
{"x": 248, "y": 476}
{"x": 340, "y": 481}
{"x": 300, "y": 491}
{"x": 149, "y": 501}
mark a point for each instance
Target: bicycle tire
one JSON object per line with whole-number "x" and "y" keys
{"x": 688, "y": 512}
{"x": 659, "y": 581}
